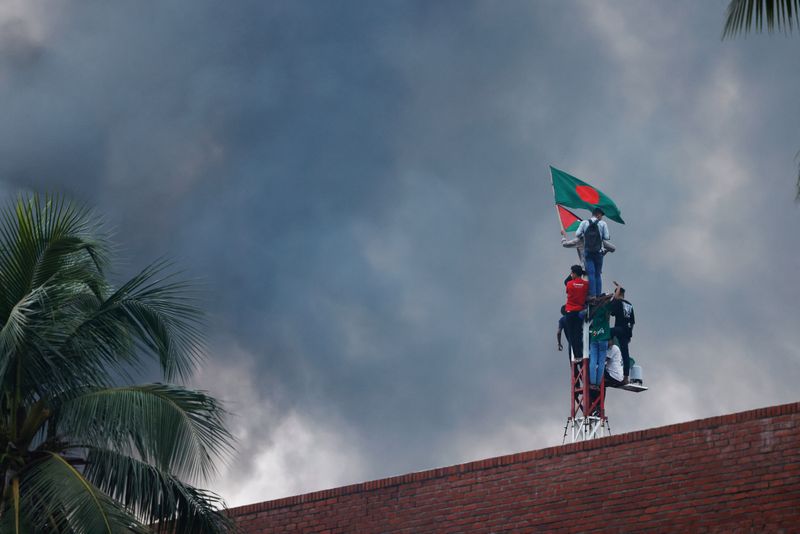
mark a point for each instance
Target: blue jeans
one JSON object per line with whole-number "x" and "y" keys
{"x": 597, "y": 361}
{"x": 594, "y": 268}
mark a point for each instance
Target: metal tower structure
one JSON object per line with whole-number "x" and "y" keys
{"x": 587, "y": 417}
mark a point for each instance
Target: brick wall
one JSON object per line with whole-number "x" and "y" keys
{"x": 733, "y": 473}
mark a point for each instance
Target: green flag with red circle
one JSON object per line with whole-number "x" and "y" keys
{"x": 575, "y": 193}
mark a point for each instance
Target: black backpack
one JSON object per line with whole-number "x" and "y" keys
{"x": 592, "y": 240}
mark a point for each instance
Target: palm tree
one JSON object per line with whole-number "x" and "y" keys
{"x": 80, "y": 452}
{"x": 743, "y": 15}
{"x": 781, "y": 15}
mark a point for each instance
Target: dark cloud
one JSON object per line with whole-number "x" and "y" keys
{"x": 364, "y": 187}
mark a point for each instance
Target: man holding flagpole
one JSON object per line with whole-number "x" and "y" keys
{"x": 572, "y": 192}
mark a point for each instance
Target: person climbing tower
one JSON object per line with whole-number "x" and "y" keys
{"x": 594, "y": 231}
{"x": 599, "y": 334}
{"x": 624, "y": 319}
{"x": 576, "y": 289}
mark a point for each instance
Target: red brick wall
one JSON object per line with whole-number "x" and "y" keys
{"x": 733, "y": 473}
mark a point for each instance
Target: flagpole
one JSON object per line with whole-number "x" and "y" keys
{"x": 558, "y": 216}
{"x": 555, "y": 205}
{"x": 559, "y": 219}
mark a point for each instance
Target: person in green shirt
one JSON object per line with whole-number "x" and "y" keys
{"x": 599, "y": 334}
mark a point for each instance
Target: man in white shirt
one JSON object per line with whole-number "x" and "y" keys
{"x": 594, "y": 231}
{"x": 577, "y": 244}
{"x": 614, "y": 375}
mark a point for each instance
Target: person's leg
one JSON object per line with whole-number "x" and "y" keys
{"x": 626, "y": 356}
{"x": 568, "y": 334}
{"x": 575, "y": 334}
{"x": 598, "y": 271}
{"x": 593, "y": 354}
{"x": 590, "y": 269}
{"x": 622, "y": 341}
{"x": 611, "y": 382}
{"x": 602, "y": 348}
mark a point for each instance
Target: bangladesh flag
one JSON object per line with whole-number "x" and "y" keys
{"x": 569, "y": 220}
{"x": 574, "y": 193}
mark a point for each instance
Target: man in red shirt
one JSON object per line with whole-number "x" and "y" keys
{"x": 577, "y": 289}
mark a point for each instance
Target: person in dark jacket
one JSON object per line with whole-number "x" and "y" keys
{"x": 624, "y": 319}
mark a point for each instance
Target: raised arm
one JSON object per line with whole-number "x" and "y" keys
{"x": 570, "y": 243}
{"x": 599, "y": 303}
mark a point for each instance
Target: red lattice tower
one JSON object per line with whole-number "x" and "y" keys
{"x": 587, "y": 415}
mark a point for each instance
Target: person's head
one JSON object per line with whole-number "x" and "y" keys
{"x": 576, "y": 271}
{"x": 598, "y": 213}
{"x": 611, "y": 342}
{"x": 620, "y": 291}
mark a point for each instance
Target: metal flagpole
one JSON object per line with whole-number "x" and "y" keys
{"x": 558, "y": 215}
{"x": 555, "y": 204}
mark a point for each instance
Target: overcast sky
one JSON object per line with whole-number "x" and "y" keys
{"x": 363, "y": 188}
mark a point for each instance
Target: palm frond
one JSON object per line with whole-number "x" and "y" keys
{"x": 744, "y": 15}
{"x": 158, "y": 313}
{"x": 57, "y": 497}
{"x": 157, "y": 498}
{"x": 38, "y": 237}
{"x": 52, "y": 255}
{"x": 13, "y": 331}
{"x": 32, "y": 362}
{"x": 188, "y": 441}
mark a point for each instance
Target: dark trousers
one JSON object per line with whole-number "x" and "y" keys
{"x": 623, "y": 338}
{"x": 574, "y": 332}
{"x": 611, "y": 381}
